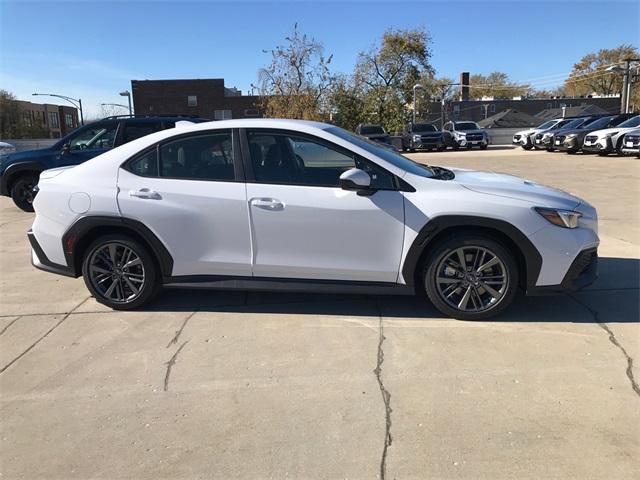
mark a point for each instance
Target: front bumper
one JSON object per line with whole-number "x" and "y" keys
{"x": 427, "y": 143}
{"x": 582, "y": 273}
{"x": 571, "y": 145}
{"x": 602, "y": 145}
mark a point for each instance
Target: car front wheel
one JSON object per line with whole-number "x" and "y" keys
{"x": 120, "y": 272}
{"x": 471, "y": 277}
{"x": 22, "y": 191}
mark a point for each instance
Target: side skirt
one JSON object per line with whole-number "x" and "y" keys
{"x": 265, "y": 284}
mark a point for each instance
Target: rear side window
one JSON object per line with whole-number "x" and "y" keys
{"x": 201, "y": 157}
{"x": 197, "y": 157}
{"x": 137, "y": 130}
{"x": 145, "y": 164}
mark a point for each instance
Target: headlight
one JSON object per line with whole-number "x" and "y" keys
{"x": 416, "y": 138}
{"x": 460, "y": 135}
{"x": 571, "y": 136}
{"x": 561, "y": 218}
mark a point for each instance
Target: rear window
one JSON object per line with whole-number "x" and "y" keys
{"x": 371, "y": 130}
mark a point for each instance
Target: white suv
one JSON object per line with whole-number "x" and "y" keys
{"x": 285, "y": 204}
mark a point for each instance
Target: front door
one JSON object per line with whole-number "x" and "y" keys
{"x": 88, "y": 143}
{"x": 305, "y": 226}
{"x": 188, "y": 192}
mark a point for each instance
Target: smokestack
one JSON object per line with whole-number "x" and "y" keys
{"x": 464, "y": 86}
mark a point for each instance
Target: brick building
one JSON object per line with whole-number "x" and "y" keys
{"x": 206, "y": 98}
{"x": 58, "y": 120}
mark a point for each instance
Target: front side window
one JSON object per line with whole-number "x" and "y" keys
{"x": 199, "y": 157}
{"x": 96, "y": 136}
{"x": 300, "y": 160}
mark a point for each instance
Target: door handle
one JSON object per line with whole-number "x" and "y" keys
{"x": 145, "y": 193}
{"x": 267, "y": 204}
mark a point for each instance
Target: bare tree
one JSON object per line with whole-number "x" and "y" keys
{"x": 297, "y": 80}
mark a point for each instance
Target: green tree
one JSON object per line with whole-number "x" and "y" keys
{"x": 387, "y": 73}
{"x": 9, "y": 116}
{"x": 347, "y": 105}
{"x": 496, "y": 85}
{"x": 590, "y": 74}
{"x": 297, "y": 81}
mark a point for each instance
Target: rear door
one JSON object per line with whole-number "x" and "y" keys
{"x": 190, "y": 191}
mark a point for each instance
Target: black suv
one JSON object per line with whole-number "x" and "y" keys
{"x": 373, "y": 132}
{"x": 19, "y": 172}
{"x": 423, "y": 135}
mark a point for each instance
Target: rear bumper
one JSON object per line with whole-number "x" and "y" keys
{"x": 40, "y": 260}
{"x": 582, "y": 273}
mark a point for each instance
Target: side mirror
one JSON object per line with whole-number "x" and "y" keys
{"x": 66, "y": 149}
{"x": 356, "y": 180}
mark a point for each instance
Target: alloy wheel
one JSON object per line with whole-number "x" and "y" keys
{"x": 471, "y": 279}
{"x": 116, "y": 272}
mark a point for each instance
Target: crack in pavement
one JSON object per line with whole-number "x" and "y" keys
{"x": 174, "y": 340}
{"x": 612, "y": 338}
{"x": 170, "y": 364}
{"x": 32, "y": 346}
{"x": 386, "y": 396}
{"x": 9, "y": 324}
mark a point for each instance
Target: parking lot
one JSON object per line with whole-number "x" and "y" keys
{"x": 262, "y": 385}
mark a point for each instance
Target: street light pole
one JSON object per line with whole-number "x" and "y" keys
{"x": 626, "y": 82}
{"x": 127, "y": 94}
{"x": 76, "y": 102}
{"x": 415, "y": 87}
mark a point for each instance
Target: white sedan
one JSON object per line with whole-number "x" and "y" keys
{"x": 284, "y": 204}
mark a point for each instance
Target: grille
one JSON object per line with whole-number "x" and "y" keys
{"x": 474, "y": 137}
{"x": 635, "y": 139}
{"x": 591, "y": 138}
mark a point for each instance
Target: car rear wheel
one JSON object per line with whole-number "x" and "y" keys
{"x": 22, "y": 191}
{"x": 120, "y": 272}
{"x": 470, "y": 277}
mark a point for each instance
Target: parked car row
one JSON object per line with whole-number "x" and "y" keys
{"x": 601, "y": 134}
{"x": 19, "y": 171}
{"x": 426, "y": 136}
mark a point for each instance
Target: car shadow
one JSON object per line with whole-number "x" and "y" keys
{"x": 613, "y": 298}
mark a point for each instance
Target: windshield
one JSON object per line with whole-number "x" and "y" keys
{"x": 546, "y": 125}
{"x": 632, "y": 122}
{"x": 424, "y": 127}
{"x": 467, "y": 126}
{"x": 371, "y": 130}
{"x": 386, "y": 154}
{"x": 576, "y": 122}
{"x": 601, "y": 122}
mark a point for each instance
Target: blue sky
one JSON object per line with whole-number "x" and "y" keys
{"x": 93, "y": 49}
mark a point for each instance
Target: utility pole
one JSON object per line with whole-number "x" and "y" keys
{"x": 415, "y": 87}
{"x": 626, "y": 82}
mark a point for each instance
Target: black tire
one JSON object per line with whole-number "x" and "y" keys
{"x": 527, "y": 146}
{"x": 148, "y": 270}
{"x": 22, "y": 191}
{"x": 441, "y": 148}
{"x": 436, "y": 261}
{"x": 455, "y": 146}
{"x": 483, "y": 146}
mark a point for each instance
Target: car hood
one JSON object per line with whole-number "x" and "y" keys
{"x": 511, "y": 186}
{"x": 602, "y": 133}
{"x": 466, "y": 132}
{"x": 528, "y": 131}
